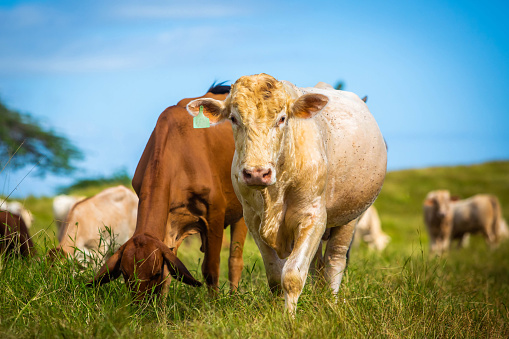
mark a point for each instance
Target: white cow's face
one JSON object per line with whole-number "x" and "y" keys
{"x": 259, "y": 109}
{"x": 259, "y": 140}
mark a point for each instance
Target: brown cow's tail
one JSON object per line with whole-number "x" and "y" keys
{"x": 178, "y": 270}
{"x": 497, "y": 217}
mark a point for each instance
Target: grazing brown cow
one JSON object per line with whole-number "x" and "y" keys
{"x": 184, "y": 186}
{"x": 14, "y": 235}
{"x": 448, "y": 219}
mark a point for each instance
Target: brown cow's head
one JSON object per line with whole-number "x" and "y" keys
{"x": 261, "y": 110}
{"x": 438, "y": 218}
{"x": 145, "y": 262}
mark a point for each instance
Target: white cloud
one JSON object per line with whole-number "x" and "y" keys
{"x": 113, "y": 53}
{"x": 29, "y": 16}
{"x": 189, "y": 11}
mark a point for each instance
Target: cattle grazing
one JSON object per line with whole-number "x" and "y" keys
{"x": 306, "y": 159}
{"x": 98, "y": 225}
{"x": 15, "y": 207}
{"x": 369, "y": 230}
{"x": 448, "y": 219}
{"x": 183, "y": 182}
{"x": 62, "y": 204}
{"x": 14, "y": 237}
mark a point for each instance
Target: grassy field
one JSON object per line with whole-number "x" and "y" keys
{"x": 401, "y": 292}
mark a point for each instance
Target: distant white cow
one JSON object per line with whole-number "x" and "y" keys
{"x": 99, "y": 225}
{"x": 62, "y": 204}
{"x": 369, "y": 230}
{"x": 15, "y": 207}
{"x": 448, "y": 219}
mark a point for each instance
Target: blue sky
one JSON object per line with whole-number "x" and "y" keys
{"x": 101, "y": 72}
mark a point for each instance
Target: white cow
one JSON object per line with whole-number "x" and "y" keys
{"x": 62, "y": 204}
{"x": 369, "y": 230}
{"x": 85, "y": 232}
{"x": 15, "y": 207}
{"x": 448, "y": 219}
{"x": 306, "y": 159}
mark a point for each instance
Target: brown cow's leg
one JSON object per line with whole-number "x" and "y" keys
{"x": 211, "y": 259}
{"x": 238, "y": 233}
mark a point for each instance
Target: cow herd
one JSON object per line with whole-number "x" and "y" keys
{"x": 300, "y": 167}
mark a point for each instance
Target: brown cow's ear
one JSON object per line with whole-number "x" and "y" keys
{"x": 213, "y": 109}
{"x": 308, "y": 105}
{"x": 177, "y": 268}
{"x": 455, "y": 198}
{"x": 110, "y": 270}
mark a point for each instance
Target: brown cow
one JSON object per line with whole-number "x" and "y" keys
{"x": 14, "y": 237}
{"x": 448, "y": 219}
{"x": 184, "y": 188}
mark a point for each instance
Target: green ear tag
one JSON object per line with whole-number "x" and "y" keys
{"x": 201, "y": 121}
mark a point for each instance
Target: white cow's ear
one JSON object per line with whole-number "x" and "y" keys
{"x": 308, "y": 105}
{"x": 428, "y": 202}
{"x": 212, "y": 109}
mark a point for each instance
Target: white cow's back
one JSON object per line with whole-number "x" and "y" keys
{"x": 62, "y": 204}
{"x": 87, "y": 224}
{"x": 356, "y": 154}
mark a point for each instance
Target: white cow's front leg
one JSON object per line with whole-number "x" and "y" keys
{"x": 336, "y": 252}
{"x": 308, "y": 234}
{"x": 272, "y": 263}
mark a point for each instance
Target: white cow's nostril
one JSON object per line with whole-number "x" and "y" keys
{"x": 267, "y": 174}
{"x": 246, "y": 174}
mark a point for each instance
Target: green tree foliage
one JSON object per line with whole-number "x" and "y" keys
{"x": 24, "y": 141}
{"x": 81, "y": 185}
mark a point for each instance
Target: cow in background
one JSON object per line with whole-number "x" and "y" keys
{"x": 448, "y": 219}
{"x": 369, "y": 230}
{"x": 306, "y": 159}
{"x": 14, "y": 237}
{"x": 96, "y": 227}
{"x": 184, "y": 185}
{"x": 15, "y": 207}
{"x": 62, "y": 204}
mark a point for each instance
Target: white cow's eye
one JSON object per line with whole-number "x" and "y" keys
{"x": 233, "y": 119}
{"x": 281, "y": 120}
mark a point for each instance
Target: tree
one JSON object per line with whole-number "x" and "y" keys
{"x": 120, "y": 177}
{"x": 24, "y": 141}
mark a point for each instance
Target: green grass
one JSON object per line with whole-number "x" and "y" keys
{"x": 401, "y": 292}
